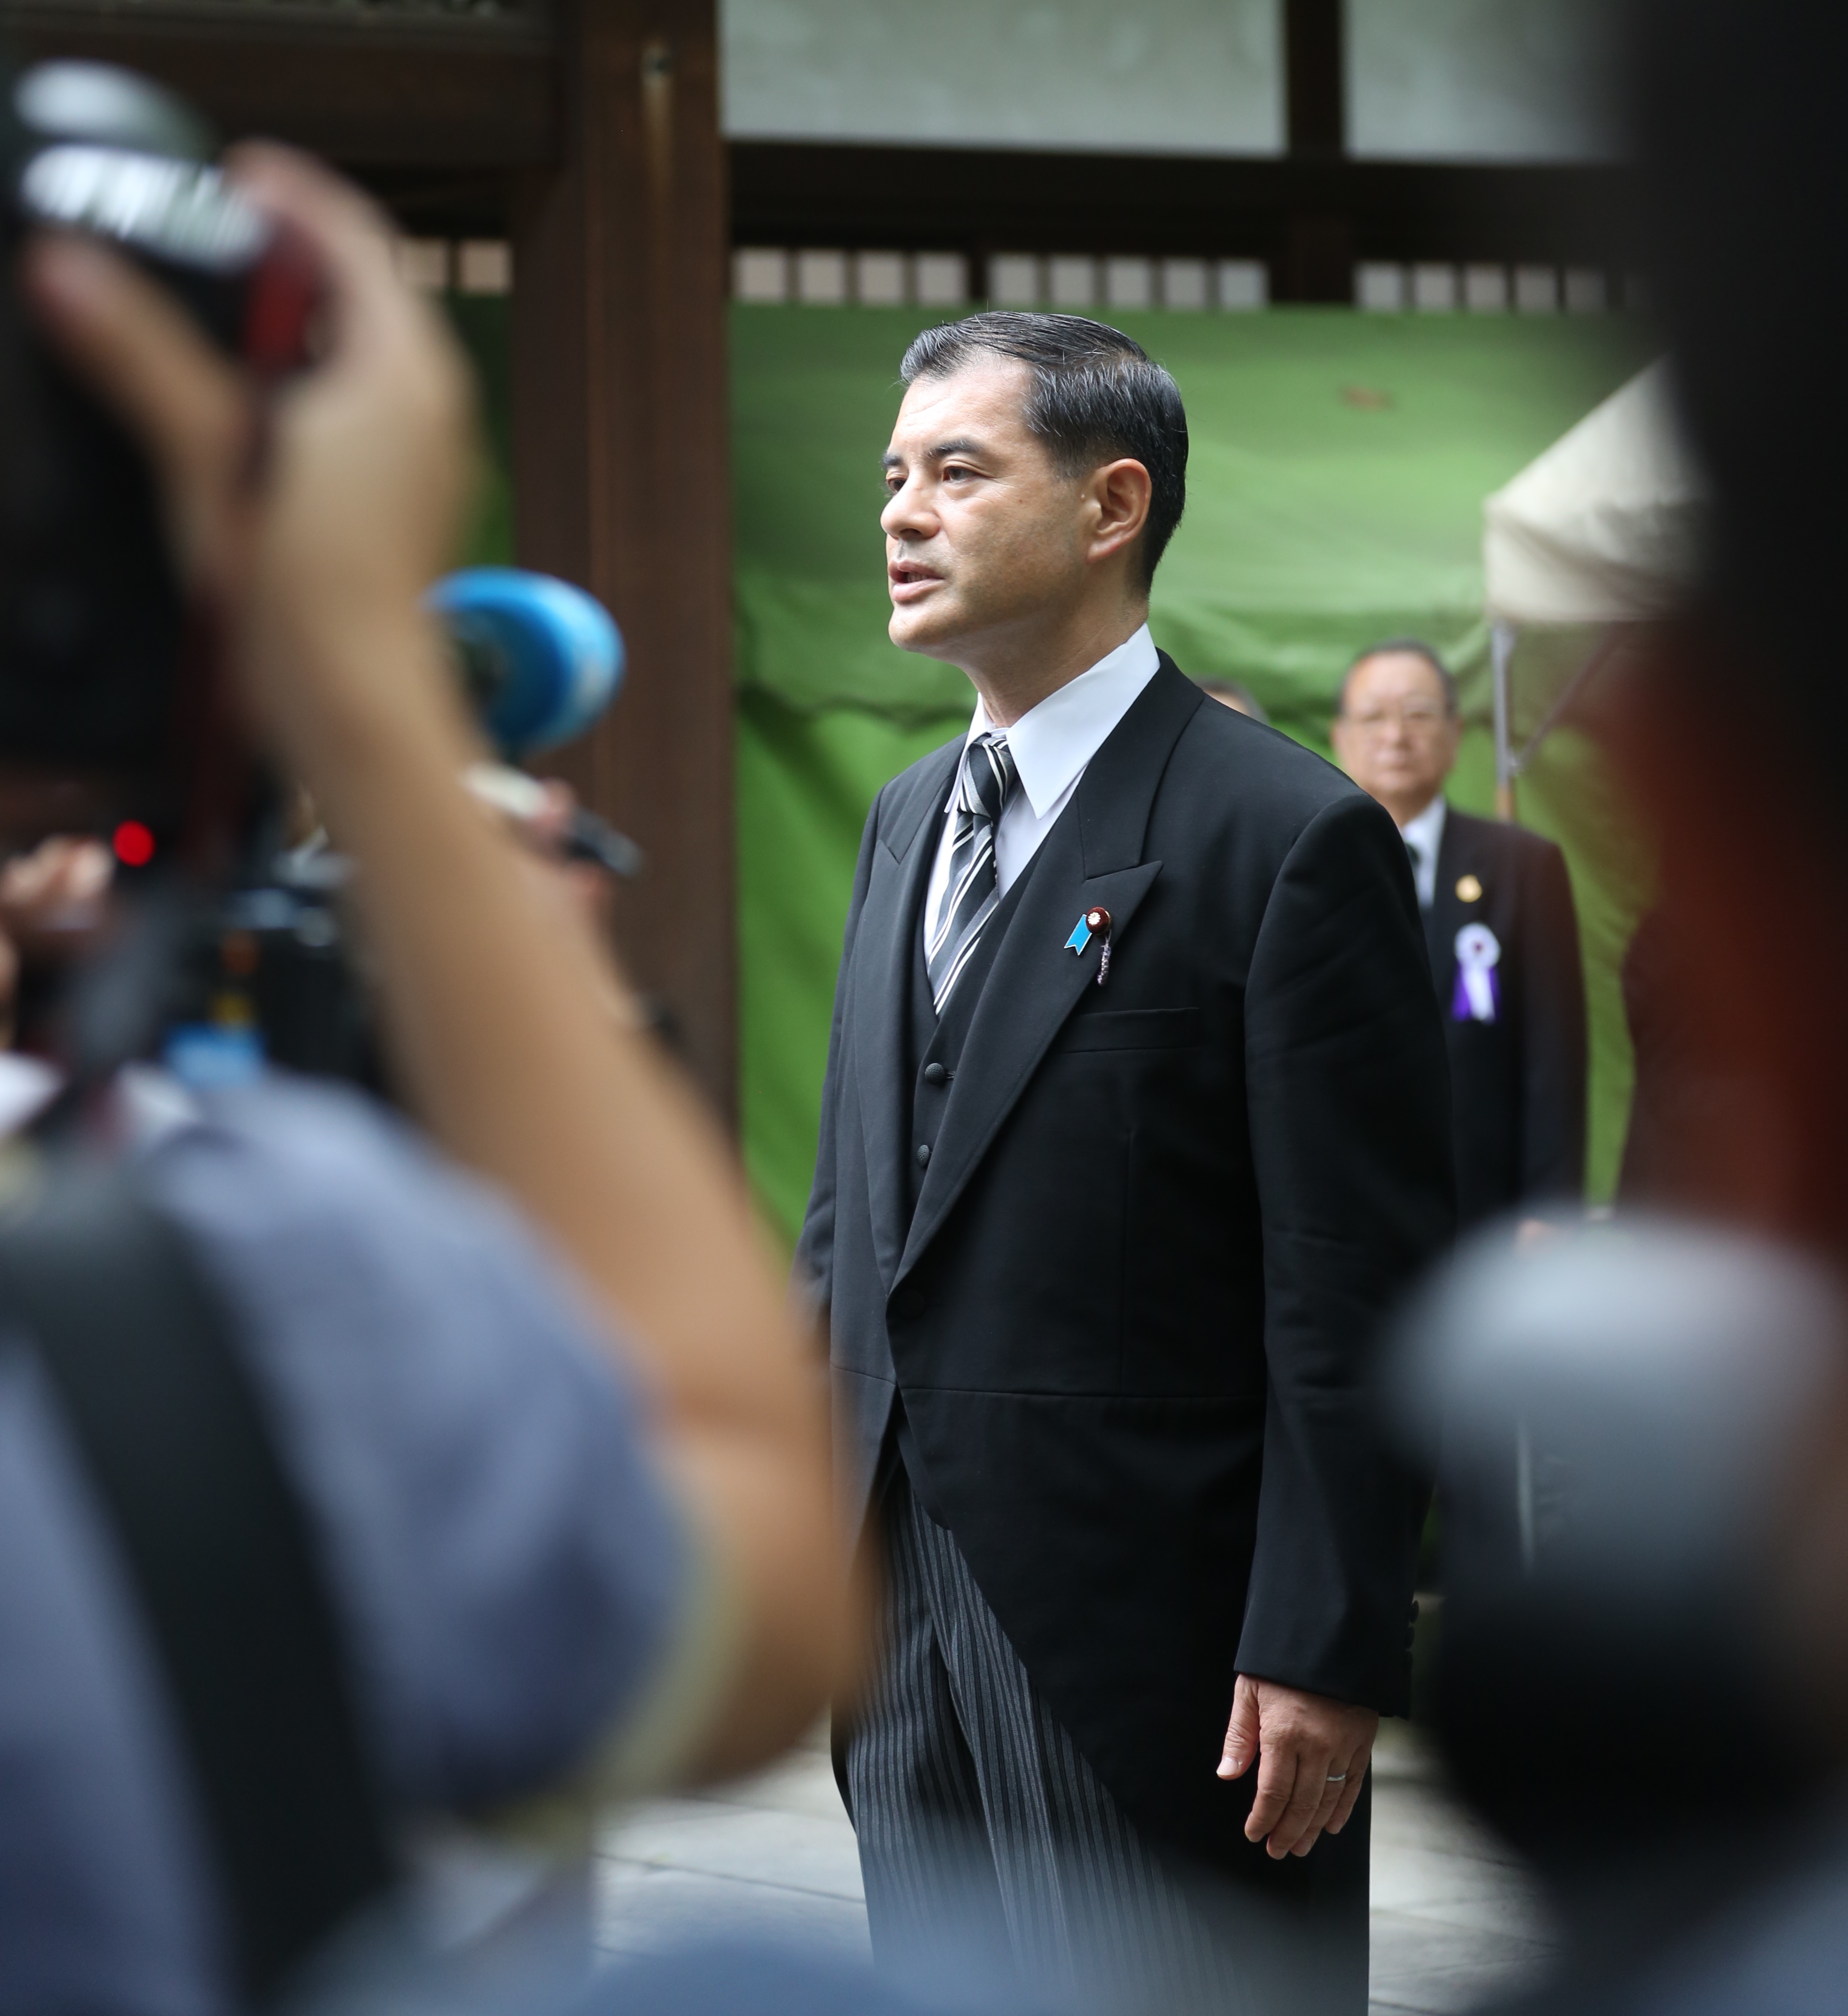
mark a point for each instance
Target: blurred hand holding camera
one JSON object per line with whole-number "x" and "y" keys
{"x": 309, "y": 521}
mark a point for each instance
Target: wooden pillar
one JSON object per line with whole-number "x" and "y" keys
{"x": 1318, "y": 252}
{"x": 619, "y": 462}
{"x": 1315, "y": 81}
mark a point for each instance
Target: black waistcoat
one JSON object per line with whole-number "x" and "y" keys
{"x": 936, "y": 1041}
{"x": 933, "y": 1049}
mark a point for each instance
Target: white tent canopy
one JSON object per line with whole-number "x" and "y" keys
{"x": 1604, "y": 528}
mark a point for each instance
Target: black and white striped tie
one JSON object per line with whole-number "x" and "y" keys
{"x": 988, "y": 781}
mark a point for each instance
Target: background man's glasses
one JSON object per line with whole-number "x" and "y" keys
{"x": 1415, "y": 719}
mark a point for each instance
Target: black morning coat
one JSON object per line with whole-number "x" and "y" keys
{"x": 1133, "y": 1313}
{"x": 1518, "y": 1082}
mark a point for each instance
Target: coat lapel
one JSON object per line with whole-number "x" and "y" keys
{"x": 882, "y": 956}
{"x": 1093, "y": 855}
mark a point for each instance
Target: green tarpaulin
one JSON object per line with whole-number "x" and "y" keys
{"x": 1337, "y": 469}
{"x": 1339, "y": 462}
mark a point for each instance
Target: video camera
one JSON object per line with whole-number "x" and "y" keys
{"x": 271, "y": 979}
{"x": 104, "y": 673}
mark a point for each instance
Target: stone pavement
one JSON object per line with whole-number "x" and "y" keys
{"x": 1453, "y": 1919}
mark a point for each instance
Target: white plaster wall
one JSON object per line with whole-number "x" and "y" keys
{"x": 1480, "y": 80}
{"x": 1115, "y": 76}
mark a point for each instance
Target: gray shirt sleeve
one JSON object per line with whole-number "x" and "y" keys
{"x": 505, "y": 1557}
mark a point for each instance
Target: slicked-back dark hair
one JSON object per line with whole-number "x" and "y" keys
{"x": 1405, "y": 647}
{"x": 1096, "y": 396}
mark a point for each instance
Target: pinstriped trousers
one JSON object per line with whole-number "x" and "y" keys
{"x": 980, "y": 1824}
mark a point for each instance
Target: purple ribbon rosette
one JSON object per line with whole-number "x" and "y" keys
{"x": 1477, "y": 997}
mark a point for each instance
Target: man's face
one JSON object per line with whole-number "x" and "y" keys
{"x": 1392, "y": 735}
{"x": 982, "y": 533}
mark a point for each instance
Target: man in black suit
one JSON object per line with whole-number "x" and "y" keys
{"x": 1503, "y": 937}
{"x": 1134, "y": 1120}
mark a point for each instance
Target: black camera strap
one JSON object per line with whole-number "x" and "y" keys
{"x": 143, "y": 1358}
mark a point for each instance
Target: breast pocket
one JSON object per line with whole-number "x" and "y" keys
{"x": 1134, "y": 1029}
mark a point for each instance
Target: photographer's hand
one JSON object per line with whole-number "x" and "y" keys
{"x": 52, "y": 902}
{"x": 315, "y": 527}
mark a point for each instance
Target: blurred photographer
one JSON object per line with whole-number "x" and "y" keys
{"x": 1644, "y": 1668}
{"x": 558, "y": 1469}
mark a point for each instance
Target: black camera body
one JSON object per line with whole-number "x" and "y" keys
{"x": 93, "y": 622}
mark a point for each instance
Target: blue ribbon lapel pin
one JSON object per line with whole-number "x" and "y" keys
{"x": 1094, "y": 923}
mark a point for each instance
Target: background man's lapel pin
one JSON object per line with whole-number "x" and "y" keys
{"x": 1477, "y": 997}
{"x": 1093, "y": 923}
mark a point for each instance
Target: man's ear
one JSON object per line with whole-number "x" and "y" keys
{"x": 1119, "y": 493}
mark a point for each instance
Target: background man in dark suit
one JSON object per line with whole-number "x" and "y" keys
{"x": 1135, "y": 1119}
{"x": 1503, "y": 937}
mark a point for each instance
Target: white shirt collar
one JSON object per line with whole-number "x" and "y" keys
{"x": 1424, "y": 835}
{"x": 1052, "y": 743}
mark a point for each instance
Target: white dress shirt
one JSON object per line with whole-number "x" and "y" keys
{"x": 1050, "y": 744}
{"x": 1423, "y": 837}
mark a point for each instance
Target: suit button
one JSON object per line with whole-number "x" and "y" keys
{"x": 923, "y": 1154}
{"x": 934, "y": 1074}
{"x": 908, "y": 1301}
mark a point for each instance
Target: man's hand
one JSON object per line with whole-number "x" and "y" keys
{"x": 56, "y": 895}
{"x": 51, "y": 901}
{"x": 1314, "y": 1754}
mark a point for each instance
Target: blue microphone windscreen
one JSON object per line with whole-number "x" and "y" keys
{"x": 544, "y": 658}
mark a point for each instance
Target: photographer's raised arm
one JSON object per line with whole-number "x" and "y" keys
{"x": 317, "y": 565}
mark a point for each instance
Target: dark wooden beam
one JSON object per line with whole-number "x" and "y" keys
{"x": 924, "y": 199}
{"x": 1315, "y": 93}
{"x": 620, "y": 453}
{"x": 1316, "y": 262}
{"x": 370, "y": 89}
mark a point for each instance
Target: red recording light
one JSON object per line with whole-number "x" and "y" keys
{"x": 133, "y": 843}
